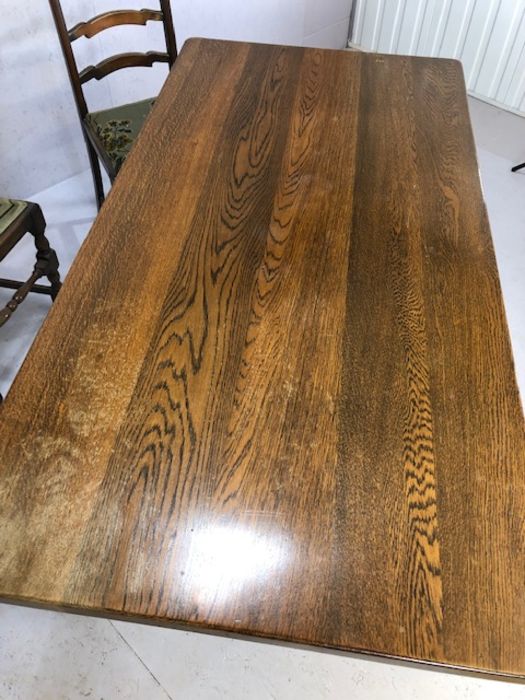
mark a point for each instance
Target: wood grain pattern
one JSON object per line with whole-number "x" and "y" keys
{"x": 298, "y": 417}
{"x": 114, "y": 18}
{"x": 122, "y": 60}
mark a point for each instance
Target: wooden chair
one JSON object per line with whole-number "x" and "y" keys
{"x": 109, "y": 134}
{"x": 16, "y": 219}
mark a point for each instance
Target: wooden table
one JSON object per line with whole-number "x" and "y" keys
{"x": 275, "y": 396}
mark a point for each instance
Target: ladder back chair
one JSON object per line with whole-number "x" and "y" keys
{"x": 109, "y": 134}
{"x": 16, "y": 219}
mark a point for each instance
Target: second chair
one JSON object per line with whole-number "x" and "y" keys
{"x": 109, "y": 134}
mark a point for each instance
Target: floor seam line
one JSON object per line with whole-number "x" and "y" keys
{"x": 141, "y": 661}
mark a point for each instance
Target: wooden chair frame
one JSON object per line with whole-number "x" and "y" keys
{"x": 32, "y": 221}
{"x": 88, "y": 29}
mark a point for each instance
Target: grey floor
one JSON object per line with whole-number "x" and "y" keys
{"x": 54, "y": 656}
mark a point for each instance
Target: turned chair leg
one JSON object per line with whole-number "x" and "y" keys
{"x": 46, "y": 266}
{"x": 46, "y": 258}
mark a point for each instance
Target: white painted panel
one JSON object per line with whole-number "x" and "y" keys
{"x": 411, "y": 26}
{"x": 477, "y": 38}
{"x": 431, "y": 12}
{"x": 513, "y": 61}
{"x": 514, "y": 94}
{"x": 359, "y": 15}
{"x": 388, "y": 34}
{"x": 442, "y": 20}
{"x": 457, "y": 26}
{"x": 502, "y": 38}
{"x": 517, "y": 93}
{"x": 488, "y": 36}
{"x": 369, "y": 25}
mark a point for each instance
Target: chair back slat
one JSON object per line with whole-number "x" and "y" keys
{"x": 122, "y": 60}
{"x": 126, "y": 60}
{"x": 114, "y": 18}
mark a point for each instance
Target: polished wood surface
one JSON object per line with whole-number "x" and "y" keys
{"x": 122, "y": 60}
{"x": 113, "y": 18}
{"x": 293, "y": 413}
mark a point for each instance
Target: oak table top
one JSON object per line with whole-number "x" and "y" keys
{"x": 275, "y": 396}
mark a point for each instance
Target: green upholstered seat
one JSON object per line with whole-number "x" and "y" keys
{"x": 118, "y": 127}
{"x": 10, "y": 210}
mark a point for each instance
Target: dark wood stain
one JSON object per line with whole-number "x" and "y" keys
{"x": 110, "y": 19}
{"x": 297, "y": 417}
{"x": 122, "y": 60}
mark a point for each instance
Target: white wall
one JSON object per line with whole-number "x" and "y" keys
{"x": 488, "y": 36}
{"x": 40, "y": 139}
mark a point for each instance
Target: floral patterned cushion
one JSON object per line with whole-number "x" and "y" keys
{"x": 118, "y": 127}
{"x": 10, "y": 209}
